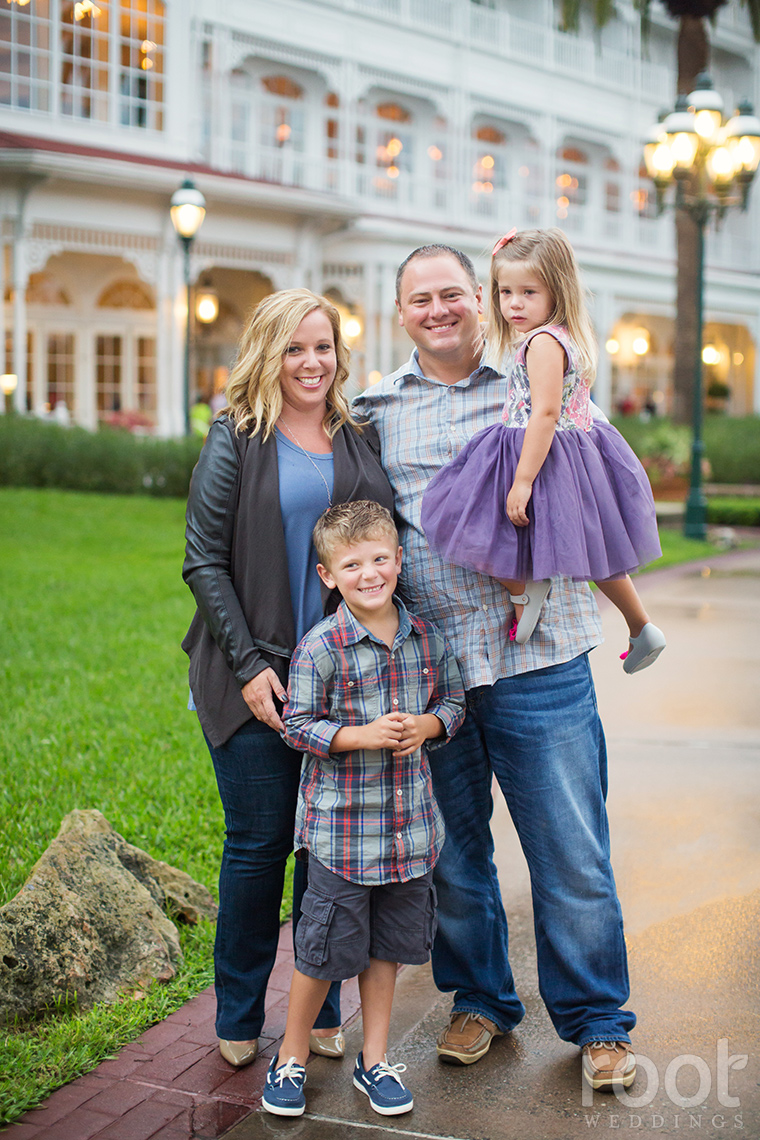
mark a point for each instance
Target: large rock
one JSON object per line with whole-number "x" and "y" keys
{"x": 88, "y": 923}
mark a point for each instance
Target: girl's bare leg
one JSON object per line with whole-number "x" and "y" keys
{"x": 622, "y": 593}
{"x": 376, "y": 986}
{"x": 305, "y": 1002}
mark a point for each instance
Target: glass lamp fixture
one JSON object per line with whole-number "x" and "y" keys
{"x": 707, "y": 107}
{"x": 352, "y": 328}
{"x": 657, "y": 154}
{"x": 743, "y": 141}
{"x": 8, "y": 383}
{"x": 682, "y": 136}
{"x": 640, "y": 343}
{"x": 719, "y": 164}
{"x": 206, "y": 306}
{"x": 188, "y": 209}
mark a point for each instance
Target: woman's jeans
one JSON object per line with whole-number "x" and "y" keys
{"x": 258, "y": 778}
{"x": 539, "y": 733}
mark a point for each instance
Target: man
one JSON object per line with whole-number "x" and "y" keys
{"x": 531, "y": 720}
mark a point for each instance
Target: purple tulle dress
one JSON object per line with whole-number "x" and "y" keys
{"x": 591, "y": 512}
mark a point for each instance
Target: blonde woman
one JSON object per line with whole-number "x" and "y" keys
{"x": 591, "y": 513}
{"x": 285, "y": 449}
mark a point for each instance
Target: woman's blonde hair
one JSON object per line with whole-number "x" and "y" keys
{"x": 254, "y": 391}
{"x": 549, "y": 254}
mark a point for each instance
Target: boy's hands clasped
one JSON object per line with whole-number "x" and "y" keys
{"x": 402, "y": 733}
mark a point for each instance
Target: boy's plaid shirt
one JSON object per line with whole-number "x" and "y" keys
{"x": 367, "y": 816}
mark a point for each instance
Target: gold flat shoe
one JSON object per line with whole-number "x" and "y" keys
{"x": 334, "y": 1046}
{"x": 238, "y": 1053}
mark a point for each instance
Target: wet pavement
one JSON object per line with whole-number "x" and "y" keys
{"x": 684, "y": 805}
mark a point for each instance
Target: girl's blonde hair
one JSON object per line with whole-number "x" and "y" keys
{"x": 254, "y": 391}
{"x": 549, "y": 254}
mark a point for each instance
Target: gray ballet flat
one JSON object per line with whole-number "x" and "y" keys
{"x": 238, "y": 1053}
{"x": 645, "y": 649}
{"x": 532, "y": 601}
{"x": 334, "y": 1046}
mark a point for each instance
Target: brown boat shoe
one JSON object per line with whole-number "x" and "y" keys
{"x": 609, "y": 1064}
{"x": 466, "y": 1038}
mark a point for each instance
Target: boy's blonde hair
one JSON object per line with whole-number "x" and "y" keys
{"x": 254, "y": 392}
{"x": 549, "y": 254}
{"x": 348, "y": 524}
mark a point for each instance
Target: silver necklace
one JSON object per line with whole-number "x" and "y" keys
{"x": 295, "y": 439}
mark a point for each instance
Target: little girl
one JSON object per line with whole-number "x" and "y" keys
{"x": 591, "y": 513}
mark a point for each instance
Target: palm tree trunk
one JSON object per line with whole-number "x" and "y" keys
{"x": 693, "y": 57}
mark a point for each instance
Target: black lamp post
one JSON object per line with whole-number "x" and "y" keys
{"x": 188, "y": 209}
{"x": 711, "y": 164}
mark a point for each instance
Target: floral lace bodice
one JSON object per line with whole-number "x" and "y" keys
{"x": 575, "y": 413}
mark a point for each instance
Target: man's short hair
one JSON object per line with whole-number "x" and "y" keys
{"x": 438, "y": 251}
{"x": 348, "y": 524}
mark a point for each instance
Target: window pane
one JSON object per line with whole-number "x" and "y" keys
{"x": 108, "y": 374}
{"x": 60, "y": 370}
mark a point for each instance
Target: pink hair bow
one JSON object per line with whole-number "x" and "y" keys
{"x": 503, "y": 241}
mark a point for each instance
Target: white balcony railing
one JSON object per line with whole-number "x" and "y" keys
{"x": 453, "y": 202}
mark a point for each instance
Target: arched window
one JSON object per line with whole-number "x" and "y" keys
{"x": 571, "y": 183}
{"x": 394, "y": 149}
{"x": 643, "y": 197}
{"x": 282, "y": 117}
{"x": 489, "y": 160}
{"x": 43, "y": 289}
{"x": 612, "y": 191}
{"x": 332, "y": 103}
{"x": 125, "y": 295}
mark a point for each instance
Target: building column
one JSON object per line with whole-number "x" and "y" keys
{"x": 603, "y": 319}
{"x": 386, "y": 306}
{"x": 372, "y": 356}
{"x": 756, "y": 378}
{"x": 86, "y": 378}
{"x": 20, "y": 280}
{"x": 169, "y": 343}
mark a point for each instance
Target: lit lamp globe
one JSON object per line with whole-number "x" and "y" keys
{"x": 706, "y": 106}
{"x": 8, "y": 383}
{"x": 207, "y": 306}
{"x": 352, "y": 328}
{"x": 640, "y": 343}
{"x": 683, "y": 139}
{"x": 742, "y": 137}
{"x": 188, "y": 209}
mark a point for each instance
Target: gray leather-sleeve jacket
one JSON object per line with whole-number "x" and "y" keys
{"x": 236, "y": 563}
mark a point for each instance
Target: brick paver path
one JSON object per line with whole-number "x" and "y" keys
{"x": 172, "y": 1083}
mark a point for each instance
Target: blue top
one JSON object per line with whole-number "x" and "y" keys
{"x": 303, "y": 498}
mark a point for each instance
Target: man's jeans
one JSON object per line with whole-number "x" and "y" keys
{"x": 540, "y": 734}
{"x": 258, "y": 778}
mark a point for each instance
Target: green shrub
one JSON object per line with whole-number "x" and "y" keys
{"x": 733, "y": 512}
{"x": 731, "y": 446}
{"x": 34, "y": 453}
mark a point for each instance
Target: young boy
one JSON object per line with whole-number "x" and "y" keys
{"x": 368, "y": 687}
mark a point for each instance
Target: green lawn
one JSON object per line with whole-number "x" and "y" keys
{"x": 93, "y": 695}
{"x": 92, "y": 715}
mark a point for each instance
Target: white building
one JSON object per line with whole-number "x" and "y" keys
{"x": 331, "y": 137}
